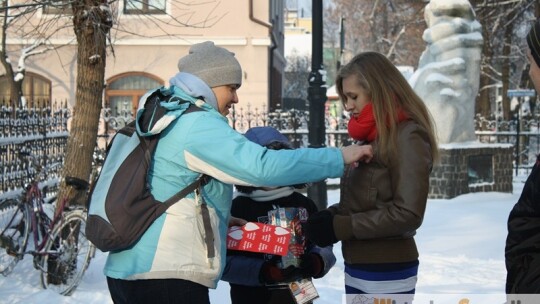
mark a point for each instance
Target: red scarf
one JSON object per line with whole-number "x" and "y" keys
{"x": 363, "y": 127}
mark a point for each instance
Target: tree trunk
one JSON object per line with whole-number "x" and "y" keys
{"x": 483, "y": 103}
{"x": 15, "y": 87}
{"x": 91, "y": 29}
{"x": 505, "y": 69}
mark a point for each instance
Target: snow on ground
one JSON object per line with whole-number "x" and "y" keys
{"x": 461, "y": 244}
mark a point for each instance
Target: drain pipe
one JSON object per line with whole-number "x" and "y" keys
{"x": 273, "y": 39}
{"x": 252, "y": 17}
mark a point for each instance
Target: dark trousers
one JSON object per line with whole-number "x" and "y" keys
{"x": 163, "y": 291}
{"x": 241, "y": 294}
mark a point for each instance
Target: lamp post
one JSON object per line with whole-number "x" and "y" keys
{"x": 317, "y": 99}
{"x": 341, "y": 43}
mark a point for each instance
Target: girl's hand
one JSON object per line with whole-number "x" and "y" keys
{"x": 236, "y": 221}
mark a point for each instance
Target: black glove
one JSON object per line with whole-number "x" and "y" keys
{"x": 311, "y": 265}
{"x": 319, "y": 228}
{"x": 271, "y": 274}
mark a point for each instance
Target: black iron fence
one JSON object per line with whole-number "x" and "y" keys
{"x": 44, "y": 132}
{"x": 41, "y": 131}
{"x": 522, "y": 132}
{"x": 293, "y": 123}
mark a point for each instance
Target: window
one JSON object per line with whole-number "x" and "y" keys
{"x": 36, "y": 89}
{"x": 55, "y": 7}
{"x": 144, "y": 7}
{"x": 123, "y": 93}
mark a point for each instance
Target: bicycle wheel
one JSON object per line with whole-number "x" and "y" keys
{"x": 68, "y": 254}
{"x": 14, "y": 230}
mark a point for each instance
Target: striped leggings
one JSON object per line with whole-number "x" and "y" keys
{"x": 388, "y": 278}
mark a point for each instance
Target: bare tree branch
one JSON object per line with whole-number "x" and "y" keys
{"x": 396, "y": 39}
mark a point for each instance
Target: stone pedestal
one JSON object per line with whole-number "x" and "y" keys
{"x": 471, "y": 167}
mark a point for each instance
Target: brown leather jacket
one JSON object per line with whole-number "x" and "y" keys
{"x": 382, "y": 206}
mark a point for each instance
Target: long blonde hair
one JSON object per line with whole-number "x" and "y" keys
{"x": 389, "y": 92}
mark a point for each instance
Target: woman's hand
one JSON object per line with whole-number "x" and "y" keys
{"x": 355, "y": 153}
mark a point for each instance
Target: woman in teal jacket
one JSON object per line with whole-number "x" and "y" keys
{"x": 175, "y": 260}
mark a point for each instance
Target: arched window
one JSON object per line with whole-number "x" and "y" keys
{"x": 124, "y": 91}
{"x": 36, "y": 90}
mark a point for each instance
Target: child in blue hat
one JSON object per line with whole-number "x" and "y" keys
{"x": 253, "y": 277}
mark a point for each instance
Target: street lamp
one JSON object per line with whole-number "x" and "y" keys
{"x": 341, "y": 43}
{"x": 317, "y": 99}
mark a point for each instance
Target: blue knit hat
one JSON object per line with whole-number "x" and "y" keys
{"x": 265, "y": 136}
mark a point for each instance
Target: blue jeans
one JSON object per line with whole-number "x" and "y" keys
{"x": 163, "y": 291}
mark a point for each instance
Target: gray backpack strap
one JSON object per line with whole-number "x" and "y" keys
{"x": 201, "y": 181}
{"x": 208, "y": 233}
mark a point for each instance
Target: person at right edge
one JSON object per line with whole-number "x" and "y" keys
{"x": 381, "y": 203}
{"x": 522, "y": 252}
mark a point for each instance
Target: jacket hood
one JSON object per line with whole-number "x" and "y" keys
{"x": 159, "y": 107}
{"x": 194, "y": 87}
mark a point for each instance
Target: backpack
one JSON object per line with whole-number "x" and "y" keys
{"x": 120, "y": 204}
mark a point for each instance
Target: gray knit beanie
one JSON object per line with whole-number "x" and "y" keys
{"x": 215, "y": 65}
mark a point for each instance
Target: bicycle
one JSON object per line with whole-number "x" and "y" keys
{"x": 60, "y": 249}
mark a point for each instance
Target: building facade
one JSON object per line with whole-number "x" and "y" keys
{"x": 146, "y": 41}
